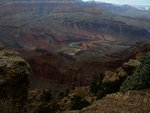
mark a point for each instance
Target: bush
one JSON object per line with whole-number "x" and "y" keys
{"x": 141, "y": 78}
{"x": 96, "y": 84}
{"x": 47, "y": 96}
{"x": 48, "y": 109}
{"x": 113, "y": 87}
{"x": 43, "y": 109}
{"x": 54, "y": 108}
{"x": 78, "y": 103}
{"x": 62, "y": 94}
{"x": 67, "y": 92}
{"x": 101, "y": 90}
{"x": 101, "y": 95}
{"x": 7, "y": 106}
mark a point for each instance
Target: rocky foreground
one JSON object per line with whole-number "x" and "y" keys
{"x": 130, "y": 102}
{"x": 126, "y": 90}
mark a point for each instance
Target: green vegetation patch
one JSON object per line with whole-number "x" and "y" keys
{"x": 141, "y": 78}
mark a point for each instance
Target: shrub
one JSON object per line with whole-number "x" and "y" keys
{"x": 96, "y": 84}
{"x": 100, "y": 79}
{"x": 113, "y": 87}
{"x": 100, "y": 95}
{"x": 62, "y": 94}
{"x": 48, "y": 109}
{"x": 141, "y": 78}
{"x": 67, "y": 92}
{"x": 54, "y": 108}
{"x": 6, "y": 106}
{"x": 78, "y": 103}
{"x": 47, "y": 96}
{"x": 43, "y": 109}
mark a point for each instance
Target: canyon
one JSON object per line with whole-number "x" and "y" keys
{"x": 63, "y": 55}
{"x": 69, "y": 42}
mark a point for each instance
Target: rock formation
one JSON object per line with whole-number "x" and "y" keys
{"x": 15, "y": 75}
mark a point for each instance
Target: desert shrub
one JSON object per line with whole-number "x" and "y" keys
{"x": 78, "y": 103}
{"x": 64, "y": 94}
{"x": 61, "y": 95}
{"x": 47, "y": 96}
{"x": 113, "y": 86}
{"x": 48, "y": 109}
{"x": 100, "y": 95}
{"x": 141, "y": 78}
{"x": 96, "y": 84}
{"x": 43, "y": 109}
{"x": 94, "y": 87}
{"x": 67, "y": 92}
{"x": 81, "y": 91}
{"x": 6, "y": 106}
{"x": 129, "y": 70}
{"x": 101, "y": 89}
{"x": 54, "y": 108}
{"x": 101, "y": 76}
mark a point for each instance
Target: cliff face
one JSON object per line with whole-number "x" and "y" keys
{"x": 15, "y": 75}
{"x": 65, "y": 69}
{"x": 58, "y": 68}
{"x": 119, "y": 30}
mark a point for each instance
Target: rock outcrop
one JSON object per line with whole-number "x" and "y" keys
{"x": 112, "y": 80}
{"x": 127, "y": 69}
{"x": 15, "y": 75}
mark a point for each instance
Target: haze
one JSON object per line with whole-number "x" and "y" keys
{"x": 129, "y": 2}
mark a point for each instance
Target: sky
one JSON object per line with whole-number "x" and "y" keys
{"x": 129, "y": 2}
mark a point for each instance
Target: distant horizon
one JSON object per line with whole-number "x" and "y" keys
{"x": 143, "y": 3}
